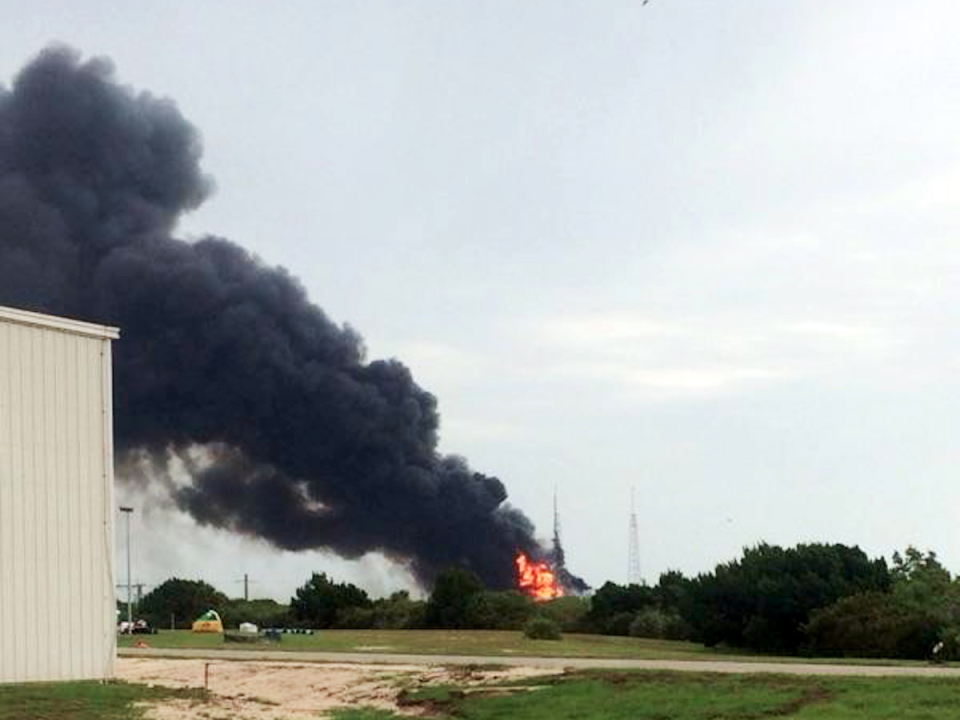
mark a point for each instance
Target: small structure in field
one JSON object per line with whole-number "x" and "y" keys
{"x": 209, "y": 622}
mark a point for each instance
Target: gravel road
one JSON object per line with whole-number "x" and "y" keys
{"x": 542, "y": 662}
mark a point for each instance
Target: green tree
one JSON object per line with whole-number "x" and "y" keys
{"x": 263, "y": 613}
{"x": 320, "y": 600}
{"x": 671, "y": 590}
{"x": 613, "y": 606}
{"x": 763, "y": 600}
{"x": 447, "y": 606}
{"x": 921, "y": 608}
{"x": 184, "y": 600}
{"x": 399, "y": 612}
{"x": 920, "y": 581}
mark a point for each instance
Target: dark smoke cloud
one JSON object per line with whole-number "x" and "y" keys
{"x": 309, "y": 445}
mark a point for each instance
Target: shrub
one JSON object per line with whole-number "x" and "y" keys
{"x": 569, "y": 612}
{"x": 874, "y": 625}
{"x": 263, "y": 613}
{"x": 542, "y": 628}
{"x": 676, "y": 628}
{"x": 950, "y": 637}
{"x": 355, "y": 618}
{"x": 619, "y": 624}
{"x": 613, "y": 606}
{"x": 649, "y": 623}
{"x": 490, "y": 610}
{"x": 398, "y": 612}
{"x": 659, "y": 625}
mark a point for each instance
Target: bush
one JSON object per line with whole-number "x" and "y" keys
{"x": 619, "y": 624}
{"x": 872, "y": 625}
{"x": 570, "y": 613}
{"x": 950, "y": 637}
{"x": 399, "y": 612}
{"x": 659, "y": 625}
{"x": 542, "y": 628}
{"x": 355, "y": 618}
{"x": 262, "y": 613}
{"x": 490, "y": 610}
{"x": 677, "y": 628}
{"x": 613, "y": 606}
{"x": 415, "y": 619}
{"x": 649, "y": 623}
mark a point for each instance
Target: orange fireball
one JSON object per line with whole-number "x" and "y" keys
{"x": 537, "y": 579}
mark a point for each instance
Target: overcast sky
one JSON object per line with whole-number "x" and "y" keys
{"x": 709, "y": 249}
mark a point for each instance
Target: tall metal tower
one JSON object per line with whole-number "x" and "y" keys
{"x": 558, "y": 555}
{"x": 633, "y": 547}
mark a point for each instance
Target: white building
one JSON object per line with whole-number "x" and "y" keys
{"x": 57, "y": 608}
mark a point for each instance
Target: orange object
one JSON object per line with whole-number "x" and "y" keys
{"x": 537, "y": 579}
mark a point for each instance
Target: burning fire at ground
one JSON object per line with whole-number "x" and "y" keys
{"x": 537, "y": 579}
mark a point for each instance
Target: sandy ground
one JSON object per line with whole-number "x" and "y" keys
{"x": 257, "y": 690}
{"x": 252, "y": 685}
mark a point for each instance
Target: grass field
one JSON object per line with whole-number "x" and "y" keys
{"x": 441, "y": 642}
{"x": 82, "y": 700}
{"x": 676, "y": 696}
{"x": 588, "y": 695}
{"x": 472, "y": 642}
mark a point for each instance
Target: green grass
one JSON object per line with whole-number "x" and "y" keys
{"x": 489, "y": 643}
{"x": 590, "y": 695}
{"x": 82, "y": 700}
{"x": 442, "y": 642}
{"x": 363, "y": 714}
{"x": 683, "y": 696}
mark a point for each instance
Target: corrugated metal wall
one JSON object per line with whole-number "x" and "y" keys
{"x": 57, "y": 610}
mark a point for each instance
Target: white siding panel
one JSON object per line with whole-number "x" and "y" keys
{"x": 57, "y": 614}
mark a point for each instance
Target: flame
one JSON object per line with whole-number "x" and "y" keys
{"x": 537, "y": 579}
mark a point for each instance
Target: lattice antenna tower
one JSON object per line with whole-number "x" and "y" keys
{"x": 558, "y": 554}
{"x": 633, "y": 546}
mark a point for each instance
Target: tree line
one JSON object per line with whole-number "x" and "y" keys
{"x": 459, "y": 600}
{"x": 811, "y": 599}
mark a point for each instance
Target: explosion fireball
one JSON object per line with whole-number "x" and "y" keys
{"x": 537, "y": 579}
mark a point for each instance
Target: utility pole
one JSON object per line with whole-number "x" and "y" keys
{"x": 246, "y": 586}
{"x": 633, "y": 546}
{"x": 127, "y": 511}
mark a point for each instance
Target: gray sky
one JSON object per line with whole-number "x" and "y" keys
{"x": 705, "y": 248}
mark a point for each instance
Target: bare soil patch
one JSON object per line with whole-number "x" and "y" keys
{"x": 255, "y": 690}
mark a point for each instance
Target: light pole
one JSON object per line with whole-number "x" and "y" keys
{"x": 127, "y": 512}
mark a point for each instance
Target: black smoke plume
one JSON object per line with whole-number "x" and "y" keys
{"x": 308, "y": 444}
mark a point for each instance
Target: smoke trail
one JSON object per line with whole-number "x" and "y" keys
{"x": 310, "y": 445}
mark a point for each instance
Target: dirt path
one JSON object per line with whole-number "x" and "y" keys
{"x": 555, "y": 664}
